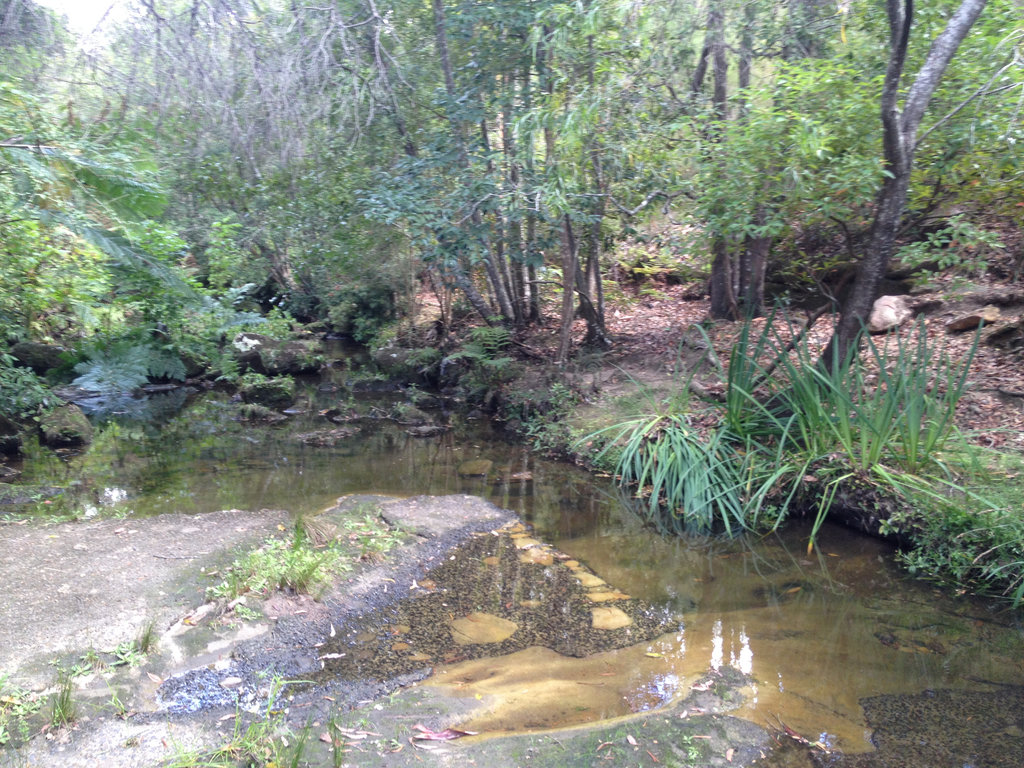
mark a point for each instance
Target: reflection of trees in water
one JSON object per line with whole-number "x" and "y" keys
{"x": 156, "y": 409}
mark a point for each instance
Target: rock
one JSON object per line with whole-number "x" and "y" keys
{"x": 277, "y": 392}
{"x": 609, "y": 617}
{"x": 427, "y": 430}
{"x": 988, "y": 314}
{"x": 254, "y": 412}
{"x": 10, "y": 437}
{"x": 482, "y": 628}
{"x": 26, "y": 494}
{"x": 888, "y": 312}
{"x": 537, "y": 556}
{"x": 475, "y": 468}
{"x": 275, "y": 358}
{"x": 1007, "y": 336}
{"x": 64, "y": 426}
{"x": 37, "y": 356}
{"x": 410, "y": 415}
{"x": 327, "y": 438}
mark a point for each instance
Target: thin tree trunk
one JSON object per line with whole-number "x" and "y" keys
{"x": 722, "y": 288}
{"x": 899, "y": 143}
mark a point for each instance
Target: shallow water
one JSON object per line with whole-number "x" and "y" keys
{"x": 817, "y": 633}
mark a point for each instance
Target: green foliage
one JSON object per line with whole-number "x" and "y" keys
{"x": 22, "y": 393}
{"x": 891, "y": 431}
{"x": 959, "y": 244}
{"x": 279, "y": 565}
{"x": 62, "y": 705}
{"x": 17, "y": 705}
{"x": 973, "y": 539}
{"x": 126, "y": 364}
{"x": 482, "y": 351}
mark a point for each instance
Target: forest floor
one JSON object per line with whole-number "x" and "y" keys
{"x": 658, "y": 348}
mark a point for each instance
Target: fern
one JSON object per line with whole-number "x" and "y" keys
{"x": 125, "y": 366}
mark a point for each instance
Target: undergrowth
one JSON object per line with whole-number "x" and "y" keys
{"x": 883, "y": 420}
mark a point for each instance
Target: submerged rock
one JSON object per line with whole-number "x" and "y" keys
{"x": 482, "y": 628}
{"x": 475, "y": 468}
{"x": 609, "y": 617}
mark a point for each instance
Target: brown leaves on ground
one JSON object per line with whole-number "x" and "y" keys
{"x": 655, "y": 335}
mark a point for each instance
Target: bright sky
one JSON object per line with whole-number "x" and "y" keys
{"x": 83, "y": 15}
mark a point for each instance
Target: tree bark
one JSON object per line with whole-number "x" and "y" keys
{"x": 722, "y": 289}
{"x": 899, "y": 140}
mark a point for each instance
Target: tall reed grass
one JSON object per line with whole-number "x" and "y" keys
{"x": 882, "y": 418}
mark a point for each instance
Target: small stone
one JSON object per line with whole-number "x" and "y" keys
{"x": 609, "y": 617}
{"x": 482, "y": 628}
{"x": 589, "y": 580}
{"x": 526, "y": 543}
{"x": 537, "y": 556}
{"x": 230, "y": 682}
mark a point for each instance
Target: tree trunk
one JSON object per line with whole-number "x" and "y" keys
{"x": 723, "y": 292}
{"x": 567, "y": 247}
{"x": 899, "y": 143}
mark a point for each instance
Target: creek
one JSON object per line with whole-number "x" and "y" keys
{"x": 818, "y": 633}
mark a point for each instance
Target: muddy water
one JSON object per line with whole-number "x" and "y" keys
{"x": 817, "y": 633}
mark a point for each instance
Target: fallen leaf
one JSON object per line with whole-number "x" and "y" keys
{"x": 155, "y": 678}
{"x": 447, "y": 734}
{"x": 729, "y": 753}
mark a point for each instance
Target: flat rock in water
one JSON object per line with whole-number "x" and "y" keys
{"x": 435, "y": 516}
{"x": 475, "y": 468}
{"x": 609, "y": 617}
{"x": 482, "y": 628}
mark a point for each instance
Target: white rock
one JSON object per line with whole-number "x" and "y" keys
{"x": 888, "y": 312}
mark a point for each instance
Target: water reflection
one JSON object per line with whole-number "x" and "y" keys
{"x": 817, "y": 633}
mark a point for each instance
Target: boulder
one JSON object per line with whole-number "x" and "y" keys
{"x": 37, "y": 356}
{"x": 277, "y": 392}
{"x": 888, "y": 312}
{"x": 65, "y": 425}
{"x": 276, "y": 358}
{"x": 10, "y": 436}
{"x": 988, "y": 314}
{"x": 1007, "y": 335}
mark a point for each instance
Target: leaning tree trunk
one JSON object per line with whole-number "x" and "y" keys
{"x": 899, "y": 144}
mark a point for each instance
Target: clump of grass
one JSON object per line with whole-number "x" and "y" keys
{"x": 62, "y": 704}
{"x": 281, "y": 564}
{"x": 888, "y": 426}
{"x": 317, "y": 552}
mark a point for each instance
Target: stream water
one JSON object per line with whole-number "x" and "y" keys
{"x": 818, "y": 632}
